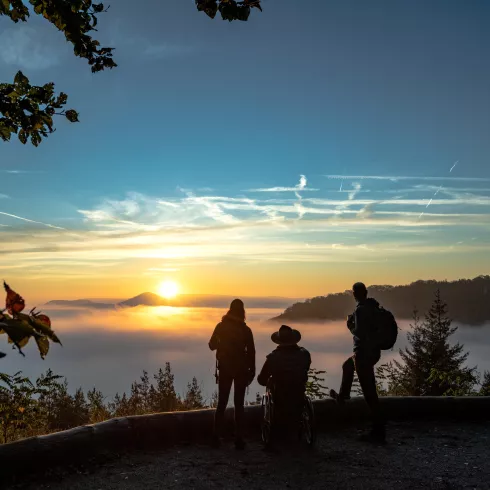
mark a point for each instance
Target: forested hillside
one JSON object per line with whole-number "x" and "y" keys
{"x": 469, "y": 301}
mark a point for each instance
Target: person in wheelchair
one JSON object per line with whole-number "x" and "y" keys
{"x": 285, "y": 373}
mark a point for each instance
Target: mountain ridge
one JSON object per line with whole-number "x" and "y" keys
{"x": 184, "y": 300}
{"x": 467, "y": 299}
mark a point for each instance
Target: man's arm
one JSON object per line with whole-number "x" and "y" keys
{"x": 214, "y": 341}
{"x": 265, "y": 374}
{"x": 362, "y": 317}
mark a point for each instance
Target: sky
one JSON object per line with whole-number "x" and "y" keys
{"x": 318, "y": 144}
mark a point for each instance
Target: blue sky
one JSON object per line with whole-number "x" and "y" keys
{"x": 163, "y": 169}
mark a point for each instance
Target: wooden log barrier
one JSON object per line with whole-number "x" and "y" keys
{"x": 74, "y": 446}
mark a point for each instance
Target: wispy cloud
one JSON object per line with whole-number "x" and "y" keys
{"x": 19, "y": 172}
{"x": 356, "y": 188}
{"x": 396, "y": 178}
{"x": 301, "y": 186}
{"x": 28, "y": 48}
{"x": 163, "y": 269}
{"x": 157, "y": 234}
{"x": 366, "y": 212}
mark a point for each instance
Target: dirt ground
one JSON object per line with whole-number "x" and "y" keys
{"x": 418, "y": 455}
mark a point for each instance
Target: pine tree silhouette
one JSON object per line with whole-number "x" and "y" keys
{"x": 431, "y": 365}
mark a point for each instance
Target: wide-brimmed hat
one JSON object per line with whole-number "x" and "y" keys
{"x": 286, "y": 336}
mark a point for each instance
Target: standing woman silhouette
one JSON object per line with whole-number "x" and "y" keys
{"x": 233, "y": 340}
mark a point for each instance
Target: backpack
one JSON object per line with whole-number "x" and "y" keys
{"x": 387, "y": 328}
{"x": 232, "y": 348}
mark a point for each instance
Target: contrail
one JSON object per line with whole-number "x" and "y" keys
{"x": 437, "y": 192}
{"x": 430, "y": 202}
{"x": 32, "y": 221}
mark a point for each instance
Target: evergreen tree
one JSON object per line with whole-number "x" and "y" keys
{"x": 119, "y": 407}
{"x": 59, "y": 409}
{"x": 485, "y": 385}
{"x": 166, "y": 397}
{"x": 430, "y": 366}
{"x": 140, "y": 400}
{"x": 193, "y": 398}
{"x": 214, "y": 399}
{"x": 97, "y": 407}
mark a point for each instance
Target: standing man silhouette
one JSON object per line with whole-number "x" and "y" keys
{"x": 362, "y": 325}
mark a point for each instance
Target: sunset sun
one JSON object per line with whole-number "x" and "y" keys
{"x": 168, "y": 289}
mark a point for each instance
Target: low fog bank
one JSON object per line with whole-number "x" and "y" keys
{"x": 110, "y": 349}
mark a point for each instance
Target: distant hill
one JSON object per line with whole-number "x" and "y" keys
{"x": 204, "y": 301}
{"x": 80, "y": 303}
{"x": 145, "y": 299}
{"x": 468, "y": 301}
{"x": 184, "y": 300}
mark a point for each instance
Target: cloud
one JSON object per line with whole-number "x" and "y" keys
{"x": 301, "y": 186}
{"x": 356, "y": 188}
{"x": 25, "y": 47}
{"x": 396, "y": 178}
{"x": 19, "y": 172}
{"x": 366, "y": 212}
{"x": 142, "y": 234}
{"x": 163, "y": 269}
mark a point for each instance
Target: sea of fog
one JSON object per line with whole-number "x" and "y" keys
{"x": 110, "y": 349}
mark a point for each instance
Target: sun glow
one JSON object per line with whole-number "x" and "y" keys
{"x": 168, "y": 289}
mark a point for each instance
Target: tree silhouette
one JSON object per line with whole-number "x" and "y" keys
{"x": 430, "y": 366}
{"x": 166, "y": 397}
{"x": 485, "y": 385}
{"x": 193, "y": 398}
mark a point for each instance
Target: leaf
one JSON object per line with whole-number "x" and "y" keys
{"x": 43, "y": 328}
{"x": 209, "y": 7}
{"x": 43, "y": 346}
{"x": 21, "y": 79}
{"x": 23, "y": 136}
{"x": 36, "y": 139}
{"x": 4, "y": 132}
{"x": 72, "y": 115}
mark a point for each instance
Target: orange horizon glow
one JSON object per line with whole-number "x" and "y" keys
{"x": 295, "y": 281}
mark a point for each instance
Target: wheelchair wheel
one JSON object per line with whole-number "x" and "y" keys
{"x": 308, "y": 427}
{"x": 266, "y": 427}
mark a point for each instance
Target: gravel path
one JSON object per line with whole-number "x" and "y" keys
{"x": 418, "y": 455}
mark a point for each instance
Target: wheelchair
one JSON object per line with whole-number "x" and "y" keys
{"x": 306, "y": 424}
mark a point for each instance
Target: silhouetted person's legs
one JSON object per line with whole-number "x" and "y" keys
{"x": 240, "y": 387}
{"x": 224, "y": 388}
{"x": 348, "y": 369}
{"x": 365, "y": 372}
